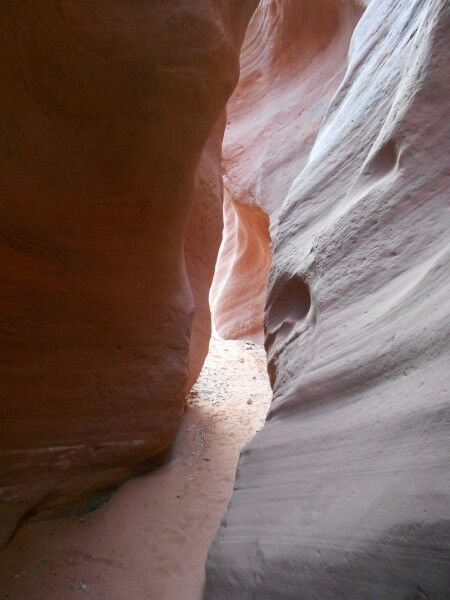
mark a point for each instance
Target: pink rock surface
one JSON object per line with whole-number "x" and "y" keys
{"x": 106, "y": 109}
{"x": 293, "y": 58}
{"x": 345, "y": 493}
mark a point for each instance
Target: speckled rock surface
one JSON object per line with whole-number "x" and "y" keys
{"x": 345, "y": 493}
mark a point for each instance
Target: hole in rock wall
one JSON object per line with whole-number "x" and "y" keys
{"x": 289, "y": 302}
{"x": 383, "y": 161}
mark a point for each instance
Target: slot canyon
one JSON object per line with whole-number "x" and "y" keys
{"x": 224, "y": 341}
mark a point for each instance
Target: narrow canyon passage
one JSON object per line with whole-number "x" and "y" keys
{"x": 258, "y": 170}
{"x": 149, "y": 541}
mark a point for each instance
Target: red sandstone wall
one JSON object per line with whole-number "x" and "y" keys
{"x": 202, "y": 245}
{"x": 105, "y": 110}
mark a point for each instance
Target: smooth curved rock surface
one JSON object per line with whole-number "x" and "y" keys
{"x": 293, "y": 59}
{"x": 239, "y": 286}
{"x": 202, "y": 244}
{"x": 345, "y": 493}
{"x": 106, "y": 109}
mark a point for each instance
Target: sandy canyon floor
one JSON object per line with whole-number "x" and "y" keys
{"x": 149, "y": 541}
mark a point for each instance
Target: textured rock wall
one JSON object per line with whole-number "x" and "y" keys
{"x": 292, "y": 61}
{"x": 345, "y": 493}
{"x": 106, "y": 109}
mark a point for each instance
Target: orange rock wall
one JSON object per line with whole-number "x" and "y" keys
{"x": 202, "y": 245}
{"x": 106, "y": 112}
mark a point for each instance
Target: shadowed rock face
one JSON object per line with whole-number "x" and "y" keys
{"x": 202, "y": 245}
{"x": 345, "y": 493}
{"x": 106, "y": 109}
{"x": 293, "y": 59}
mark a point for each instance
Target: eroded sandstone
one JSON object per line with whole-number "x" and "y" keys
{"x": 293, "y": 59}
{"x": 106, "y": 109}
{"x": 345, "y": 493}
